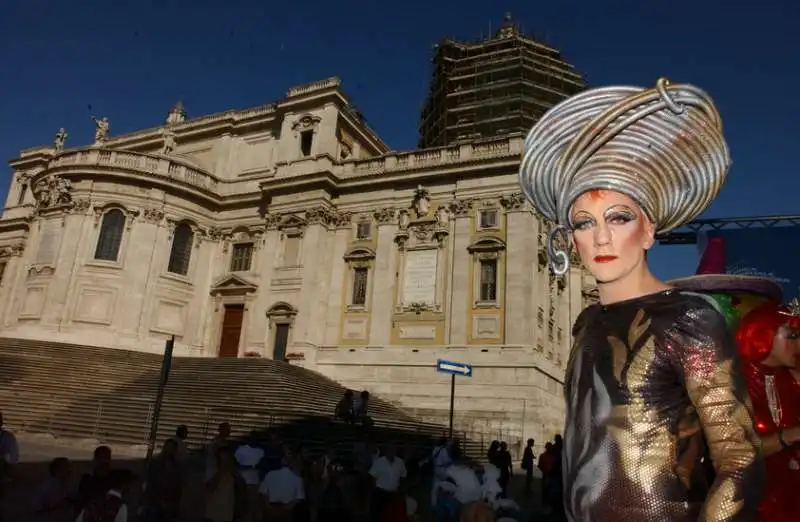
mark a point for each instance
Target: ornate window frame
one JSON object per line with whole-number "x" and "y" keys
{"x": 359, "y": 257}
{"x": 100, "y": 212}
{"x": 280, "y": 313}
{"x": 172, "y": 226}
{"x": 308, "y": 122}
{"x": 488, "y": 248}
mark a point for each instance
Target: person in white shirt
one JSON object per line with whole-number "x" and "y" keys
{"x": 282, "y": 490}
{"x": 388, "y": 473}
{"x": 113, "y": 502}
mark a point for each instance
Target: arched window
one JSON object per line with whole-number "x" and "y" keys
{"x": 110, "y": 238}
{"x": 181, "y": 252}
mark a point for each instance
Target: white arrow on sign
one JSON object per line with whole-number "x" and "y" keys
{"x": 455, "y": 368}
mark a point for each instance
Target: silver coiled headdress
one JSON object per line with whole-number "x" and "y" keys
{"x": 663, "y": 147}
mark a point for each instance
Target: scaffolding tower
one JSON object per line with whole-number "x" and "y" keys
{"x": 497, "y": 86}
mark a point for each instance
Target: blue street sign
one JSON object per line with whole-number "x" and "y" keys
{"x": 454, "y": 368}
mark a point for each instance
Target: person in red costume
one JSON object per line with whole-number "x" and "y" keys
{"x": 769, "y": 343}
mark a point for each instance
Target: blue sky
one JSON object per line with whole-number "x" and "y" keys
{"x": 132, "y": 60}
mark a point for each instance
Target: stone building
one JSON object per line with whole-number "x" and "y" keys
{"x": 291, "y": 231}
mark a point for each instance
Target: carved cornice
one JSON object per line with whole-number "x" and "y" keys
{"x": 461, "y": 207}
{"x": 152, "y": 215}
{"x": 385, "y": 216}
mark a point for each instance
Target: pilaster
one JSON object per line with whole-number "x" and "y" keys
{"x": 384, "y": 280}
{"x": 460, "y": 277}
{"x": 520, "y": 256}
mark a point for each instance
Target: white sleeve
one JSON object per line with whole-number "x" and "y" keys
{"x": 263, "y": 489}
{"x": 300, "y": 493}
{"x": 80, "y": 516}
{"x": 374, "y": 469}
{"x": 122, "y": 514}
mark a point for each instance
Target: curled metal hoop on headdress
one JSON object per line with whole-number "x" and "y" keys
{"x": 663, "y": 147}
{"x": 559, "y": 258}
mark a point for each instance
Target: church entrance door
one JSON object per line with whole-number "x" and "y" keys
{"x": 281, "y": 340}
{"x": 231, "y": 331}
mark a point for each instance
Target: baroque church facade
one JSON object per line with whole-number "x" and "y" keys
{"x": 291, "y": 231}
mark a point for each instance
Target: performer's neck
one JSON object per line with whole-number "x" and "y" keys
{"x": 638, "y": 283}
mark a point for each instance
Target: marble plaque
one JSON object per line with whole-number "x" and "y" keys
{"x": 419, "y": 278}
{"x": 48, "y": 243}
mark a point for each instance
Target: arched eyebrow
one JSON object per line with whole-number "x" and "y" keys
{"x": 620, "y": 207}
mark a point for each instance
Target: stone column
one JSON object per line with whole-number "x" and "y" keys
{"x": 383, "y": 278}
{"x": 460, "y": 277}
{"x": 521, "y": 239}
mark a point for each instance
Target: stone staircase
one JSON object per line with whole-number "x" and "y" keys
{"x": 107, "y": 394}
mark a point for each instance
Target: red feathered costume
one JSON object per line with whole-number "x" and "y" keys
{"x": 776, "y": 402}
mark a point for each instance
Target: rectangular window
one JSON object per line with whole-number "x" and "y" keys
{"x": 363, "y": 230}
{"x": 488, "y": 219}
{"x": 360, "y": 277}
{"x": 489, "y": 280}
{"x": 306, "y": 140}
{"x": 241, "y": 256}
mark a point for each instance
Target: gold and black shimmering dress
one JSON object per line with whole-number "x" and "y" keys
{"x": 652, "y": 384}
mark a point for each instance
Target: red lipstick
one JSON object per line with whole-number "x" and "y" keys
{"x": 604, "y": 259}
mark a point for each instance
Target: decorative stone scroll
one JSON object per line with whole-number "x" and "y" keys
{"x": 80, "y": 206}
{"x": 306, "y": 122}
{"x": 325, "y": 216}
{"x": 385, "y": 216}
{"x": 214, "y": 233}
{"x": 514, "y": 202}
{"x": 272, "y": 220}
{"x": 12, "y": 250}
{"x": 153, "y": 215}
{"x": 343, "y": 219}
{"x": 461, "y": 207}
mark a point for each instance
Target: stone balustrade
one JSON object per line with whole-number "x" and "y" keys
{"x": 161, "y": 166}
{"x": 395, "y": 161}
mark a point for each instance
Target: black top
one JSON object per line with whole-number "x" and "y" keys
{"x": 648, "y": 382}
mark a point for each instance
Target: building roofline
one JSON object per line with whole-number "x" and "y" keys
{"x": 295, "y": 94}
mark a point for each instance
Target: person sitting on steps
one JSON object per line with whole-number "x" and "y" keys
{"x": 344, "y": 408}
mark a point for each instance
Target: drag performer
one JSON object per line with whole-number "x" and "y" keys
{"x": 769, "y": 343}
{"x": 654, "y": 375}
